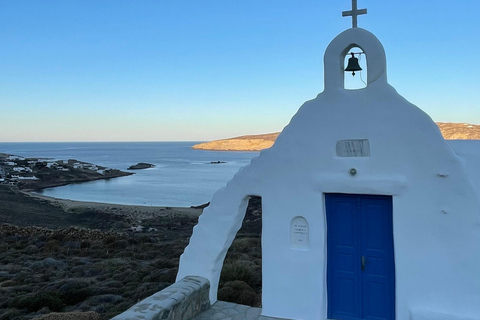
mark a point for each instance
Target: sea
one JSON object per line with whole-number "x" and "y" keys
{"x": 182, "y": 176}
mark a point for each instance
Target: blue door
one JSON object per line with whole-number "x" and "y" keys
{"x": 360, "y": 259}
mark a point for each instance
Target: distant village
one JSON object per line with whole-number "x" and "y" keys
{"x": 37, "y": 173}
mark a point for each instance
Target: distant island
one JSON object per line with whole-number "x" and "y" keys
{"x": 40, "y": 173}
{"x": 244, "y": 143}
{"x": 217, "y": 162}
{"x": 450, "y": 131}
{"x": 141, "y": 165}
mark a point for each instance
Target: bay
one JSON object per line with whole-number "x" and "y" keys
{"x": 181, "y": 177}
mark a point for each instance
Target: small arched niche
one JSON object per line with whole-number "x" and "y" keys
{"x": 299, "y": 233}
{"x": 359, "y": 80}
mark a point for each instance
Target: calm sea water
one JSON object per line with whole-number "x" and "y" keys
{"x": 182, "y": 176}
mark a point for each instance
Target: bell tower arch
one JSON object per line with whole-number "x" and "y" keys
{"x": 356, "y": 69}
{"x": 334, "y": 58}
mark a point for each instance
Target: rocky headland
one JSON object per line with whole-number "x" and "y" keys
{"x": 450, "y": 131}
{"x": 37, "y": 173}
{"x": 243, "y": 143}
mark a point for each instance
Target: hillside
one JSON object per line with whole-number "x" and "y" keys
{"x": 243, "y": 143}
{"x": 450, "y": 131}
{"x": 86, "y": 262}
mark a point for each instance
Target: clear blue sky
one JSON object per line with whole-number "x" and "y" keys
{"x": 165, "y": 70}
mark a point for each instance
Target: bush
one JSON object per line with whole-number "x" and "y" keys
{"x": 244, "y": 245}
{"x": 9, "y": 314}
{"x": 147, "y": 289}
{"x": 51, "y": 246}
{"x": 8, "y": 283}
{"x": 74, "y": 292}
{"x": 238, "y": 292}
{"x": 240, "y": 270}
{"x": 104, "y": 299}
{"x": 163, "y": 263}
{"x": 35, "y": 302}
{"x": 162, "y": 275}
{"x": 72, "y": 315}
{"x": 118, "y": 245}
{"x": 110, "y": 239}
{"x": 85, "y": 244}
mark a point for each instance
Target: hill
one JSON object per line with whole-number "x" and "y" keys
{"x": 243, "y": 143}
{"x": 450, "y": 131}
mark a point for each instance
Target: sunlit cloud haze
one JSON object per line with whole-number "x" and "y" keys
{"x": 118, "y": 70}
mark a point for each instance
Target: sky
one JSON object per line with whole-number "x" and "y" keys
{"x": 198, "y": 70}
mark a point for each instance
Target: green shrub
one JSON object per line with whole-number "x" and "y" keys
{"x": 245, "y": 244}
{"x": 8, "y": 314}
{"x": 118, "y": 245}
{"x": 85, "y": 244}
{"x": 238, "y": 292}
{"x": 147, "y": 289}
{"x": 56, "y": 236}
{"x": 37, "y": 301}
{"x": 8, "y": 283}
{"x": 110, "y": 239}
{"x": 74, "y": 292}
{"x": 161, "y": 275}
{"x": 240, "y": 270}
{"x": 127, "y": 276}
{"x": 51, "y": 246}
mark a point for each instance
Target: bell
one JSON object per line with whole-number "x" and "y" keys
{"x": 353, "y": 65}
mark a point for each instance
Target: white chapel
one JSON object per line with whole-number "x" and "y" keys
{"x": 368, "y": 213}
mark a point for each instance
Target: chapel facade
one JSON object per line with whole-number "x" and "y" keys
{"x": 368, "y": 213}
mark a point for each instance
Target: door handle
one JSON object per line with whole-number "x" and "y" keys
{"x": 363, "y": 263}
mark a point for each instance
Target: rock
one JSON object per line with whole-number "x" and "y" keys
{"x": 202, "y": 206}
{"x": 141, "y": 165}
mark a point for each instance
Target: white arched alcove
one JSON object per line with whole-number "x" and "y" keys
{"x": 334, "y": 59}
{"x": 359, "y": 80}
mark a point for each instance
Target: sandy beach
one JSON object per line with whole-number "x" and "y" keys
{"x": 137, "y": 211}
{"x": 24, "y": 208}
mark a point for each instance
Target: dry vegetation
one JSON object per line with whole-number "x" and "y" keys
{"x": 459, "y": 131}
{"x": 243, "y": 143}
{"x": 61, "y": 272}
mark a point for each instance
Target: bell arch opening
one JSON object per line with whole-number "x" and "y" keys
{"x": 241, "y": 276}
{"x": 356, "y": 71}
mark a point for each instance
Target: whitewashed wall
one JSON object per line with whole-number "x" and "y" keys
{"x": 436, "y": 209}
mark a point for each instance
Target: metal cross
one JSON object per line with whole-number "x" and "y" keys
{"x": 354, "y": 13}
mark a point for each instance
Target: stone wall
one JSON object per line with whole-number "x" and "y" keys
{"x": 180, "y": 301}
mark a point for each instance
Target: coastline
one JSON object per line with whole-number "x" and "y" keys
{"x": 134, "y": 211}
{"x": 45, "y": 185}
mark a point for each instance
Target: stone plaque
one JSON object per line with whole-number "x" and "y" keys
{"x": 299, "y": 233}
{"x": 353, "y": 148}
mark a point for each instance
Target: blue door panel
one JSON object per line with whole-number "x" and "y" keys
{"x": 374, "y": 296}
{"x": 360, "y": 226}
{"x": 344, "y": 259}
